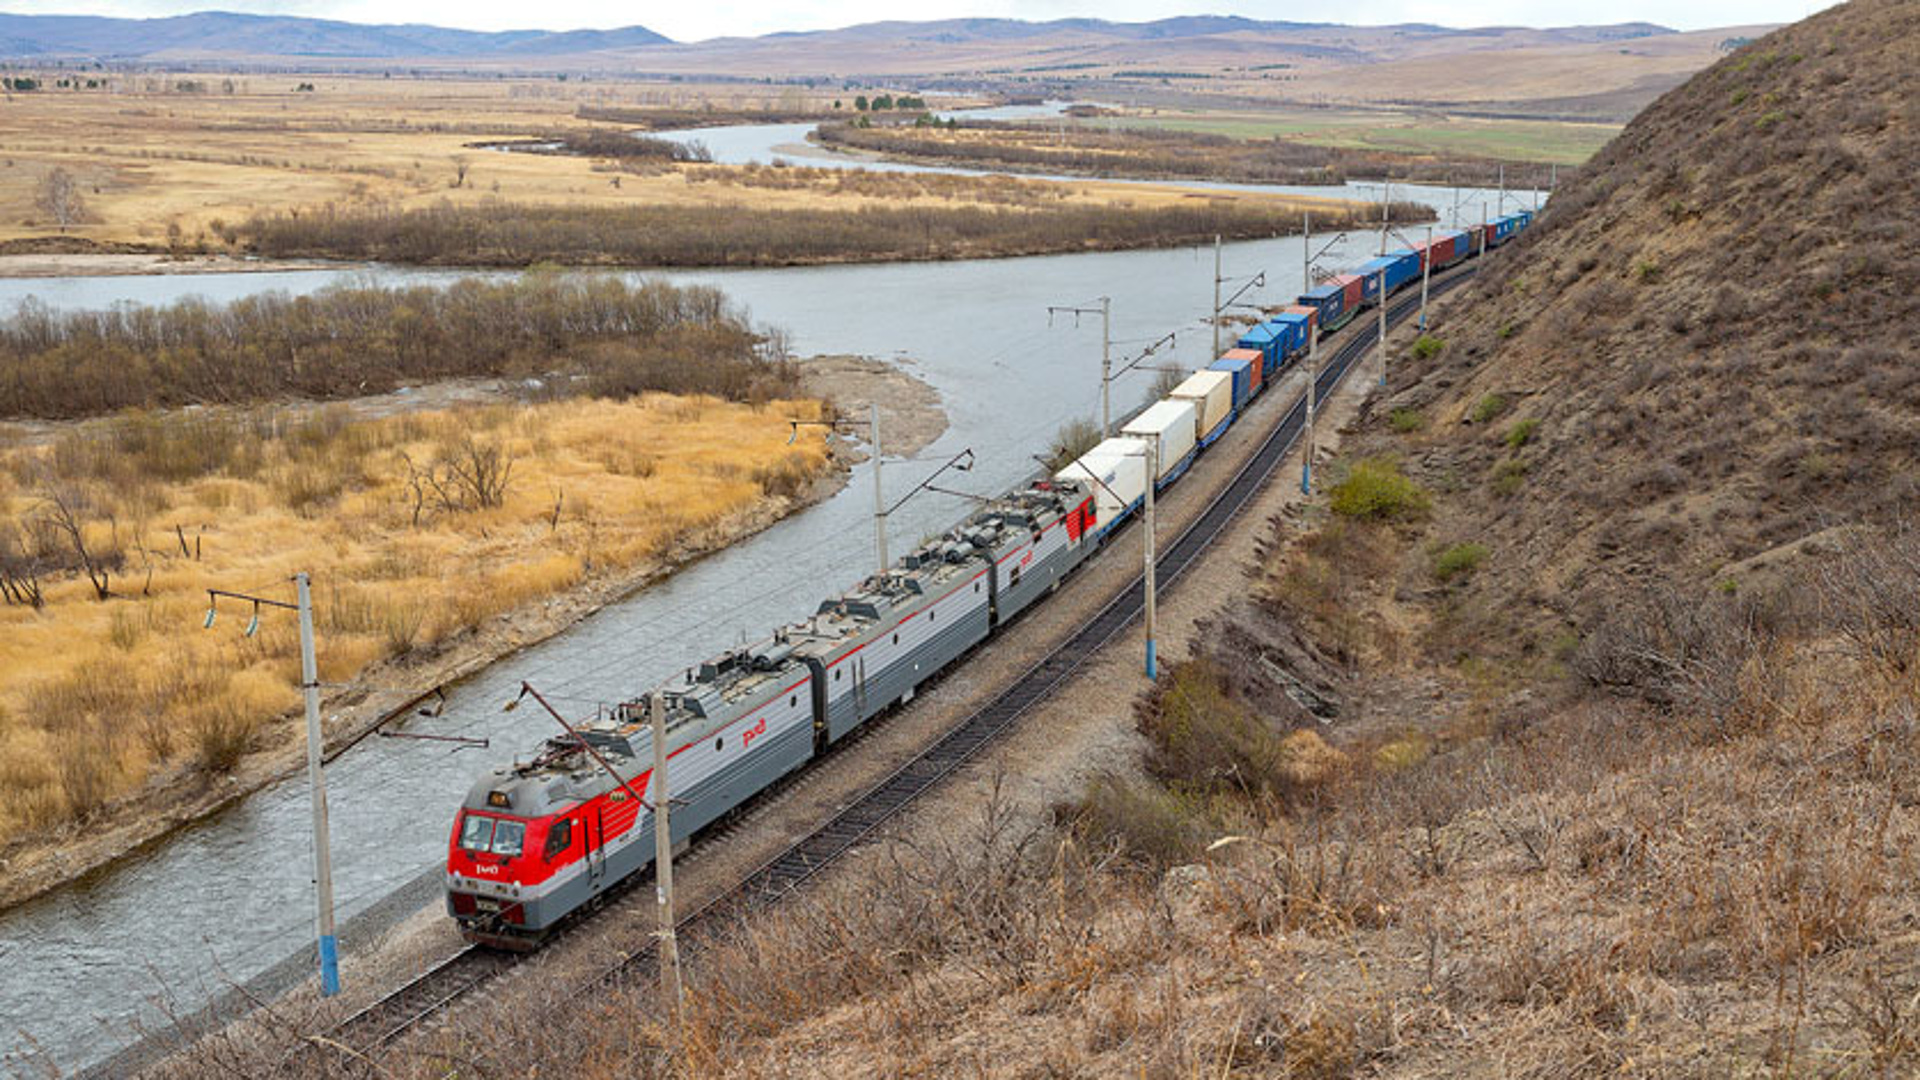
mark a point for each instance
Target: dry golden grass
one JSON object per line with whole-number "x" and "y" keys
{"x": 101, "y": 695}
{"x": 157, "y": 166}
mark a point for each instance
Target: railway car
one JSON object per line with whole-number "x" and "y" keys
{"x": 875, "y": 645}
{"x": 1400, "y": 267}
{"x": 1265, "y": 340}
{"x": 1116, "y": 470}
{"x": 1297, "y": 324}
{"x": 1169, "y": 426}
{"x": 1032, "y": 539}
{"x": 1334, "y": 302}
{"x": 1211, "y": 393}
{"x": 1241, "y": 372}
{"x": 534, "y": 841}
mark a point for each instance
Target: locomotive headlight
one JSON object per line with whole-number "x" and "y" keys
{"x": 500, "y": 799}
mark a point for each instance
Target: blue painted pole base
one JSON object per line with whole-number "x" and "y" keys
{"x": 329, "y": 966}
{"x": 1152, "y": 668}
{"x": 1306, "y": 478}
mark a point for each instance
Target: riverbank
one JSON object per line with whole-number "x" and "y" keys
{"x": 84, "y": 261}
{"x": 184, "y": 792}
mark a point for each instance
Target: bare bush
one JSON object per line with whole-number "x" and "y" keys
{"x": 59, "y": 198}
{"x": 1870, "y": 594}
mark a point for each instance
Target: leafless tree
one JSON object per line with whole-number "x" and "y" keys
{"x": 21, "y": 564}
{"x": 59, "y": 198}
{"x": 66, "y": 510}
{"x": 477, "y": 472}
{"x": 464, "y": 475}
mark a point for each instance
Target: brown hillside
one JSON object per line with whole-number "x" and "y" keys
{"x": 1710, "y": 330}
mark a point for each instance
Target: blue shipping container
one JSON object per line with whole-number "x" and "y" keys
{"x": 1242, "y": 372}
{"x": 1330, "y": 301}
{"x": 1293, "y": 325}
{"x": 1264, "y": 339}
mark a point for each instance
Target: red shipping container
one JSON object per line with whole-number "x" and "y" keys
{"x": 1352, "y": 288}
{"x": 1259, "y": 363}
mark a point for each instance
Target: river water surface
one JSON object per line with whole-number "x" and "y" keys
{"x": 224, "y": 900}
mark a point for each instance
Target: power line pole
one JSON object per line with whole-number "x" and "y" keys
{"x": 327, "y": 944}
{"x": 1383, "y": 328}
{"x": 1313, "y": 377}
{"x": 1306, "y": 250}
{"x": 1153, "y": 472}
{"x": 663, "y": 863}
{"x": 1106, "y": 366}
{"x": 1503, "y": 189}
{"x": 1386, "y": 201}
{"x": 1426, "y": 273}
{"x": 1106, "y": 353}
{"x": 317, "y": 779}
{"x": 1216, "y": 296}
{"x": 879, "y": 494}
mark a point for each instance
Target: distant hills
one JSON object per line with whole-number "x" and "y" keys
{"x": 220, "y": 33}
{"x": 1595, "y": 72}
{"x": 210, "y": 34}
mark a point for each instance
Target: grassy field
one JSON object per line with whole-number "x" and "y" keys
{"x": 157, "y": 165}
{"x": 409, "y": 543}
{"x": 1543, "y": 141}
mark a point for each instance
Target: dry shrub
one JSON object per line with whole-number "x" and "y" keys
{"x": 1139, "y": 818}
{"x": 222, "y": 733}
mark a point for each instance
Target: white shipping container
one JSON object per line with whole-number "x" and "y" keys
{"x": 1117, "y": 472}
{"x": 1212, "y": 395}
{"x": 1170, "y": 426}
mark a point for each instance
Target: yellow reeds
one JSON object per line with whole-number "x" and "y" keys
{"x": 96, "y": 696}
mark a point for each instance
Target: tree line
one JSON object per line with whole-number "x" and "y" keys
{"x": 599, "y": 333}
{"x": 497, "y": 233}
{"x": 1154, "y": 154}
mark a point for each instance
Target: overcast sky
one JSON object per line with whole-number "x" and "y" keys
{"x": 697, "y": 21}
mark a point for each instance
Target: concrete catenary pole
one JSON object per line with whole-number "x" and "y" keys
{"x": 1383, "y": 328}
{"x": 1426, "y": 274}
{"x": 879, "y": 493}
{"x": 1313, "y": 377}
{"x": 1386, "y": 203}
{"x": 1153, "y": 471}
{"x": 1485, "y": 219}
{"x": 1216, "y": 295}
{"x": 663, "y": 859}
{"x": 317, "y": 779}
{"x": 1306, "y": 250}
{"x": 1106, "y": 365}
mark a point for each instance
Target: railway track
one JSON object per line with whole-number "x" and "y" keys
{"x": 433, "y": 992}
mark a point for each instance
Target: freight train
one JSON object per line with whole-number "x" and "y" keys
{"x": 538, "y": 840}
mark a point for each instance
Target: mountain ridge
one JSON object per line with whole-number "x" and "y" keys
{"x": 216, "y": 32}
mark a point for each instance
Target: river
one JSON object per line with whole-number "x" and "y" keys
{"x": 229, "y": 898}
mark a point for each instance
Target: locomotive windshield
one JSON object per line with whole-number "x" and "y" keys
{"x": 502, "y": 837}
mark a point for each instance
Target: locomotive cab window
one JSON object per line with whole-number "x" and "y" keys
{"x": 559, "y": 837}
{"x": 497, "y": 835}
{"x": 508, "y": 837}
{"x": 476, "y": 833}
